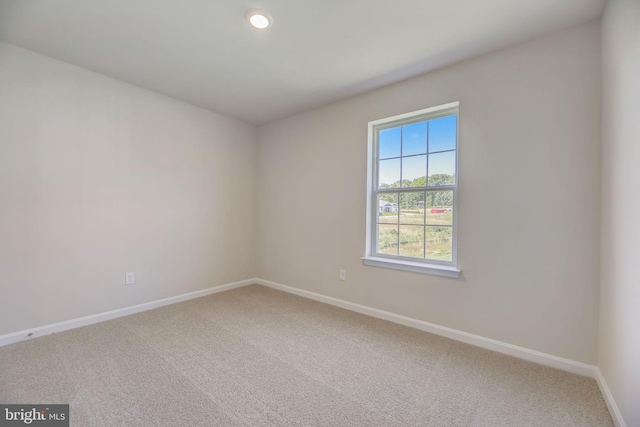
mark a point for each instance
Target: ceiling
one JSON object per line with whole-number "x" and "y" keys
{"x": 318, "y": 51}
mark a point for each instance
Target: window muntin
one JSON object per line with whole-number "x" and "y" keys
{"x": 414, "y": 186}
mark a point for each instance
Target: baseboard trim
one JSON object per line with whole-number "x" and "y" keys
{"x": 112, "y": 314}
{"x": 477, "y": 340}
{"x": 616, "y": 415}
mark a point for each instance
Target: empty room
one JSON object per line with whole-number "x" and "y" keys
{"x": 319, "y": 213}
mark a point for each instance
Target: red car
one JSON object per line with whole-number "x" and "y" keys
{"x": 440, "y": 210}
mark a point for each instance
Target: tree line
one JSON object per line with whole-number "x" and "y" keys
{"x": 421, "y": 199}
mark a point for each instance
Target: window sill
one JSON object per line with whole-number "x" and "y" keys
{"x": 416, "y": 267}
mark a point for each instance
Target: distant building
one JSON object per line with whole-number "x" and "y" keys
{"x": 384, "y": 206}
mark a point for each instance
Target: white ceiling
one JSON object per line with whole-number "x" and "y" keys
{"x": 317, "y": 51}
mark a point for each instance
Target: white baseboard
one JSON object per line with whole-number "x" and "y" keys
{"x": 616, "y": 415}
{"x": 490, "y": 344}
{"x": 108, "y": 315}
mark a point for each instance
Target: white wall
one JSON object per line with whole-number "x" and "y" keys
{"x": 98, "y": 178}
{"x": 528, "y": 197}
{"x": 619, "y": 356}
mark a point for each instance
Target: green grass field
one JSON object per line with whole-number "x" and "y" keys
{"x": 405, "y": 234}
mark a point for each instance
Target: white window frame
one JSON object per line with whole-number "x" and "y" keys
{"x": 398, "y": 262}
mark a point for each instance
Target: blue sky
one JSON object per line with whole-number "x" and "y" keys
{"x": 412, "y": 141}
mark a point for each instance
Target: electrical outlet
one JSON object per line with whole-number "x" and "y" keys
{"x": 129, "y": 278}
{"x": 343, "y": 274}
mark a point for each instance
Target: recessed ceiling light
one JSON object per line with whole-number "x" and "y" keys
{"x": 259, "y": 18}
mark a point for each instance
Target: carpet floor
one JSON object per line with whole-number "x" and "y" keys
{"x": 255, "y": 356}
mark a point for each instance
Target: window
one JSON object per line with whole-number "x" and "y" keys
{"x": 413, "y": 182}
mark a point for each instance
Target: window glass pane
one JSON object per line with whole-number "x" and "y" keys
{"x": 388, "y": 208}
{"x": 439, "y": 207}
{"x": 442, "y": 168}
{"x": 388, "y": 239}
{"x": 412, "y": 216}
{"x": 412, "y": 208}
{"x": 389, "y": 143}
{"x": 412, "y": 241}
{"x": 439, "y": 243}
{"x": 414, "y": 139}
{"x": 389, "y": 173}
{"x": 414, "y": 171}
{"x": 442, "y": 134}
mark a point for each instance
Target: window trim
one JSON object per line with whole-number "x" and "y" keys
{"x": 418, "y": 265}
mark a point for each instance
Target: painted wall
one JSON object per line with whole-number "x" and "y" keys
{"x": 530, "y": 124}
{"x": 619, "y": 356}
{"x": 98, "y": 178}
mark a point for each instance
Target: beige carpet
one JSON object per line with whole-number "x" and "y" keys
{"x": 255, "y": 356}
